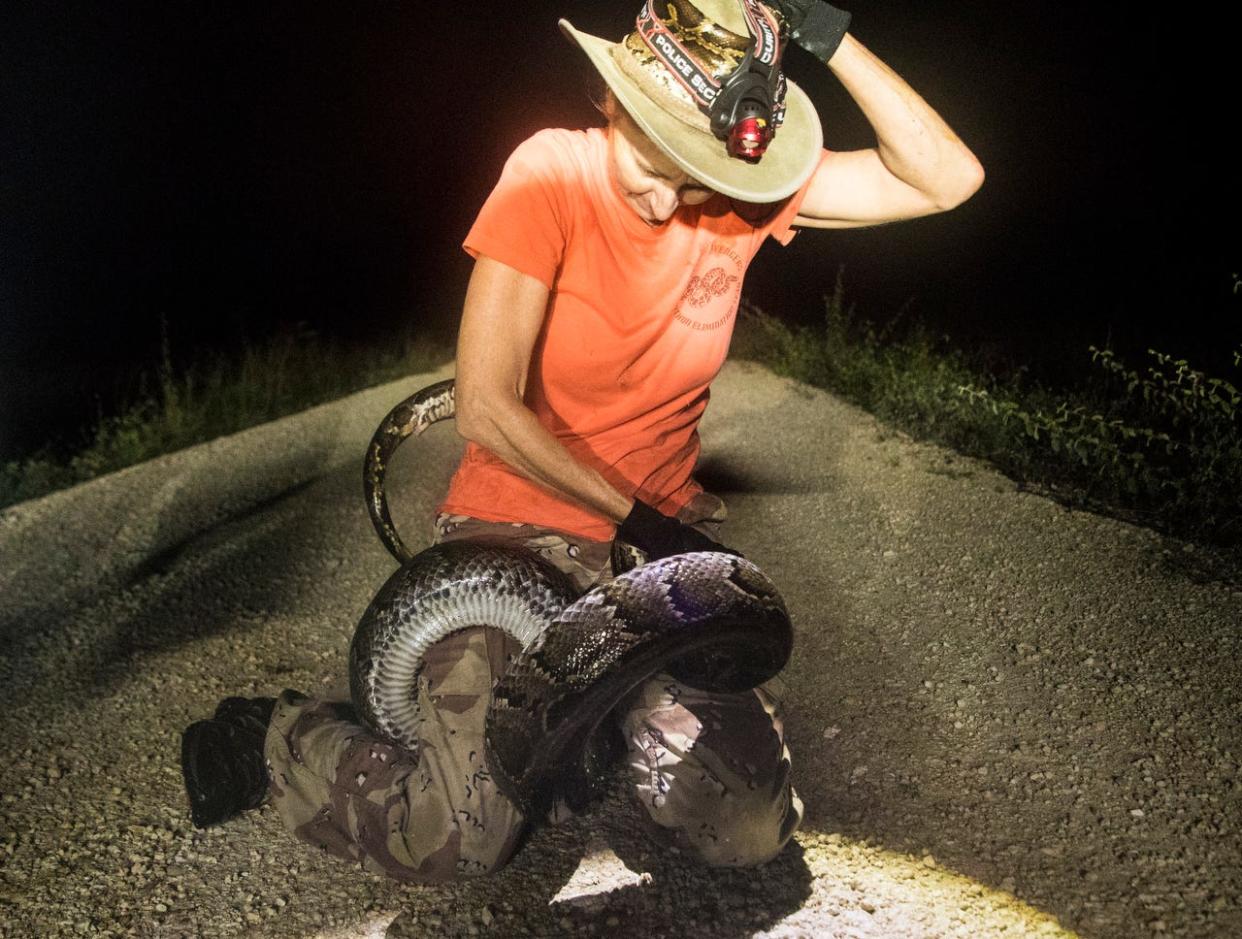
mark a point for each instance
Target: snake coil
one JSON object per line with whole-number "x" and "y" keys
{"x": 713, "y": 621}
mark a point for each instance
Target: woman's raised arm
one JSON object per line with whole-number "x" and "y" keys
{"x": 919, "y": 166}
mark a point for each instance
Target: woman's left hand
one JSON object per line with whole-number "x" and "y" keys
{"x": 816, "y": 26}
{"x": 660, "y": 536}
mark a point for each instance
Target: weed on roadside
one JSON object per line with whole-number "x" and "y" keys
{"x": 176, "y": 409}
{"x": 1159, "y": 445}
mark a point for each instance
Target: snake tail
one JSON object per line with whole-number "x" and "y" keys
{"x": 413, "y": 415}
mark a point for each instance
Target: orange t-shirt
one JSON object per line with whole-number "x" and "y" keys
{"x": 638, "y": 324}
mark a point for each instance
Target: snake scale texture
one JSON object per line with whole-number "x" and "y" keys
{"x": 713, "y": 621}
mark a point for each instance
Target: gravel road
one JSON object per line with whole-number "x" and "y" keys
{"x": 1006, "y": 719}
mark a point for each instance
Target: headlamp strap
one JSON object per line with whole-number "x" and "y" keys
{"x": 766, "y": 50}
{"x": 701, "y": 85}
{"x": 763, "y": 31}
{"x": 668, "y": 48}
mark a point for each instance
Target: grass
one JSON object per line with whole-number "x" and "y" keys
{"x": 1158, "y": 444}
{"x": 178, "y": 408}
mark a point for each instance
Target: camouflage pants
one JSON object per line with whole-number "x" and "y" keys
{"x": 711, "y": 770}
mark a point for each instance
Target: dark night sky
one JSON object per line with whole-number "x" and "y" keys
{"x": 237, "y": 167}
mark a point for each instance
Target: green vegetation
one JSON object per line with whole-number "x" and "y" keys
{"x": 1159, "y": 445}
{"x": 289, "y": 373}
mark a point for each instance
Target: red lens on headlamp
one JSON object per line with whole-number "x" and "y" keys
{"x": 749, "y": 138}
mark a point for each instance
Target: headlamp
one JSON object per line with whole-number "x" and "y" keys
{"x": 745, "y": 108}
{"x": 741, "y": 114}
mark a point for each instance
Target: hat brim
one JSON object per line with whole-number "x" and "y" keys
{"x": 789, "y": 161}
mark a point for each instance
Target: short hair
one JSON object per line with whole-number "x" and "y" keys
{"x": 603, "y": 99}
{"x": 610, "y": 106}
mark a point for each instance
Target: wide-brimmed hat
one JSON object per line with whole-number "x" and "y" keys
{"x": 715, "y": 34}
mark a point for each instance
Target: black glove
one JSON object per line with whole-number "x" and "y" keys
{"x": 659, "y": 536}
{"x": 814, "y": 25}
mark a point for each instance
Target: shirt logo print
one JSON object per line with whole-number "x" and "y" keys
{"x": 712, "y": 284}
{"x": 710, "y": 298}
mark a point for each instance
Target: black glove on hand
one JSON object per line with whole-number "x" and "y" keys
{"x": 659, "y": 536}
{"x": 814, "y": 25}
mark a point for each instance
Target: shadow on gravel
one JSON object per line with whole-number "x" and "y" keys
{"x": 163, "y": 562}
{"x": 113, "y": 576}
{"x": 728, "y": 903}
{"x": 730, "y": 478}
{"x": 233, "y": 579}
{"x": 569, "y": 880}
{"x": 1204, "y": 566}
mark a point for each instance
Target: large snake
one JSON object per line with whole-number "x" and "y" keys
{"x": 712, "y": 620}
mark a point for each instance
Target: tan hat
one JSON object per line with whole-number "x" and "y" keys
{"x": 715, "y": 34}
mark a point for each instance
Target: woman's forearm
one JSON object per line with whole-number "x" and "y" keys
{"x": 913, "y": 141}
{"x": 512, "y": 432}
{"x": 503, "y": 314}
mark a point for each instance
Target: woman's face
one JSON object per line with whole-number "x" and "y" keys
{"x": 649, "y": 181}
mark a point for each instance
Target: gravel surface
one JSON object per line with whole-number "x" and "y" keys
{"x": 1006, "y": 719}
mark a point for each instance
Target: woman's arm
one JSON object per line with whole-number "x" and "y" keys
{"x": 918, "y": 167}
{"x": 503, "y": 313}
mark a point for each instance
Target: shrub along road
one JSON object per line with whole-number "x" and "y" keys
{"x": 1005, "y": 719}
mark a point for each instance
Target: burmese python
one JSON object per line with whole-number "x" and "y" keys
{"x": 712, "y": 620}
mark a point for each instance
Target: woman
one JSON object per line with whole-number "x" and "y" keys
{"x": 608, "y": 269}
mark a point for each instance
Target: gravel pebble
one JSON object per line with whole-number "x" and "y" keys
{"x": 1004, "y": 718}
